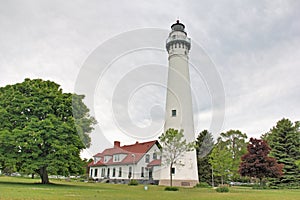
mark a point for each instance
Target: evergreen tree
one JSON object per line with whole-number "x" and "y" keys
{"x": 284, "y": 140}
{"x": 204, "y": 146}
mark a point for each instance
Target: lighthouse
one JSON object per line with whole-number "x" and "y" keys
{"x": 179, "y": 110}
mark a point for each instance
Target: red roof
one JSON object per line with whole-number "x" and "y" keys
{"x": 99, "y": 163}
{"x": 133, "y": 153}
{"x": 154, "y": 163}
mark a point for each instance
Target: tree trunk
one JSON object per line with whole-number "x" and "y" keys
{"x": 212, "y": 177}
{"x": 260, "y": 182}
{"x": 44, "y": 175}
{"x": 222, "y": 181}
{"x": 32, "y": 176}
{"x": 171, "y": 166}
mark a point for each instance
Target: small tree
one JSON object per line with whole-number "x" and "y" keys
{"x": 237, "y": 146}
{"x": 221, "y": 160}
{"x": 174, "y": 145}
{"x": 256, "y": 163}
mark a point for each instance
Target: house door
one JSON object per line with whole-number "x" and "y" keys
{"x": 150, "y": 173}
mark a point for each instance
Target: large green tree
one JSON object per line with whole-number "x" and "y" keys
{"x": 43, "y": 129}
{"x": 174, "y": 145}
{"x": 204, "y": 146}
{"x": 284, "y": 140}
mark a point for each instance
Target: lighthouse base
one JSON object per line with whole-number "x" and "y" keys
{"x": 179, "y": 183}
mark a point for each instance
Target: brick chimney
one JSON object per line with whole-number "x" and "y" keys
{"x": 117, "y": 144}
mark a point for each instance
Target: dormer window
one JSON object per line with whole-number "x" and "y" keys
{"x": 96, "y": 159}
{"x": 116, "y": 158}
{"x": 106, "y": 158}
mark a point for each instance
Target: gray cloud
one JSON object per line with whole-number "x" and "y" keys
{"x": 254, "y": 45}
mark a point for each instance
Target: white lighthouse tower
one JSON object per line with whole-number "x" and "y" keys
{"x": 179, "y": 111}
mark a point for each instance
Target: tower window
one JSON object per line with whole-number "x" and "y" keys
{"x": 173, "y": 113}
{"x": 173, "y": 170}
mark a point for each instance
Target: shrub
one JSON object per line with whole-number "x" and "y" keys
{"x": 133, "y": 182}
{"x": 203, "y": 185}
{"x": 222, "y": 189}
{"x": 259, "y": 187}
{"x": 274, "y": 187}
{"x": 171, "y": 189}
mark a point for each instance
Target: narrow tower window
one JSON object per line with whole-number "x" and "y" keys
{"x": 173, "y": 113}
{"x": 173, "y": 170}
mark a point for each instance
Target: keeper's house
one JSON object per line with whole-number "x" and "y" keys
{"x": 139, "y": 161}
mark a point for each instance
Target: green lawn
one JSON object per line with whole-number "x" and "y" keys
{"x": 21, "y": 188}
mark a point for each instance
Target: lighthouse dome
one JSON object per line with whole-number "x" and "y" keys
{"x": 178, "y": 26}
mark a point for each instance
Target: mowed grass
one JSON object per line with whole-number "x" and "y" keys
{"x": 22, "y": 188}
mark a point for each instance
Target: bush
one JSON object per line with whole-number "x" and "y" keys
{"x": 259, "y": 187}
{"x": 171, "y": 189}
{"x": 203, "y": 185}
{"x": 287, "y": 186}
{"x": 222, "y": 189}
{"x": 133, "y": 182}
{"x": 274, "y": 187}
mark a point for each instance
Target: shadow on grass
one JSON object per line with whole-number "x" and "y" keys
{"x": 23, "y": 183}
{"x": 35, "y": 184}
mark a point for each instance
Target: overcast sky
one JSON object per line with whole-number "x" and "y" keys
{"x": 245, "y": 51}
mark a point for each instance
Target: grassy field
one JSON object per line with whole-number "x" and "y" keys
{"x": 21, "y": 188}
